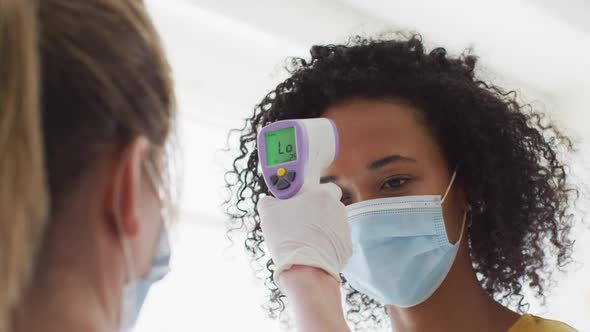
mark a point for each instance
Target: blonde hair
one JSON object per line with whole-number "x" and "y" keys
{"x": 76, "y": 78}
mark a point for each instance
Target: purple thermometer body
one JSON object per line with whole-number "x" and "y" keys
{"x": 294, "y": 153}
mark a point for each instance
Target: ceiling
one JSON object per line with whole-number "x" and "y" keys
{"x": 574, "y": 12}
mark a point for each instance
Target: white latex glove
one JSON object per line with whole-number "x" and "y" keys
{"x": 309, "y": 229}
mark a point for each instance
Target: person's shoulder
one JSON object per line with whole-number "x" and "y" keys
{"x": 530, "y": 323}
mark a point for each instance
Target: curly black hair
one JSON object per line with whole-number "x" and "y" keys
{"x": 510, "y": 156}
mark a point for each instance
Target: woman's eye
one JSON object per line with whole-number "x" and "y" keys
{"x": 394, "y": 183}
{"x": 345, "y": 199}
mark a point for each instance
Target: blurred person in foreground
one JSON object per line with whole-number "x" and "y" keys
{"x": 86, "y": 108}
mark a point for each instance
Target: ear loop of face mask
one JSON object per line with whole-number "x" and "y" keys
{"x": 125, "y": 243}
{"x": 464, "y": 213}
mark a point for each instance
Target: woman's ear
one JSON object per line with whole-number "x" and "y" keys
{"x": 122, "y": 199}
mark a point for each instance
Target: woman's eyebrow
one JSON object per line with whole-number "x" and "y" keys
{"x": 388, "y": 160}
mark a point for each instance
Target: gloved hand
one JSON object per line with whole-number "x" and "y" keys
{"x": 308, "y": 229}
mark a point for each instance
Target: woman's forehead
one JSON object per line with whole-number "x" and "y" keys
{"x": 377, "y": 118}
{"x": 370, "y": 130}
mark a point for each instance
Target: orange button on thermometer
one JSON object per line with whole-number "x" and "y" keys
{"x": 281, "y": 172}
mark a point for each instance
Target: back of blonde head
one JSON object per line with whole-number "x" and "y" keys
{"x": 23, "y": 194}
{"x": 77, "y": 79}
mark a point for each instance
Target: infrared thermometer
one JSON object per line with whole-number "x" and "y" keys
{"x": 293, "y": 154}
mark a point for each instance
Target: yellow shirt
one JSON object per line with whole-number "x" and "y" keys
{"x": 530, "y": 323}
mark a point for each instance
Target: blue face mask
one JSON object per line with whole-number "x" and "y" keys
{"x": 135, "y": 292}
{"x": 401, "y": 252}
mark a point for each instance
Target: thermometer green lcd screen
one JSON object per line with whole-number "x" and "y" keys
{"x": 281, "y": 146}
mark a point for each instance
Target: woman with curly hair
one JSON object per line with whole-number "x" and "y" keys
{"x": 456, "y": 196}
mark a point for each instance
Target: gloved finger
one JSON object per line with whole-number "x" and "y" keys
{"x": 266, "y": 202}
{"x": 333, "y": 190}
